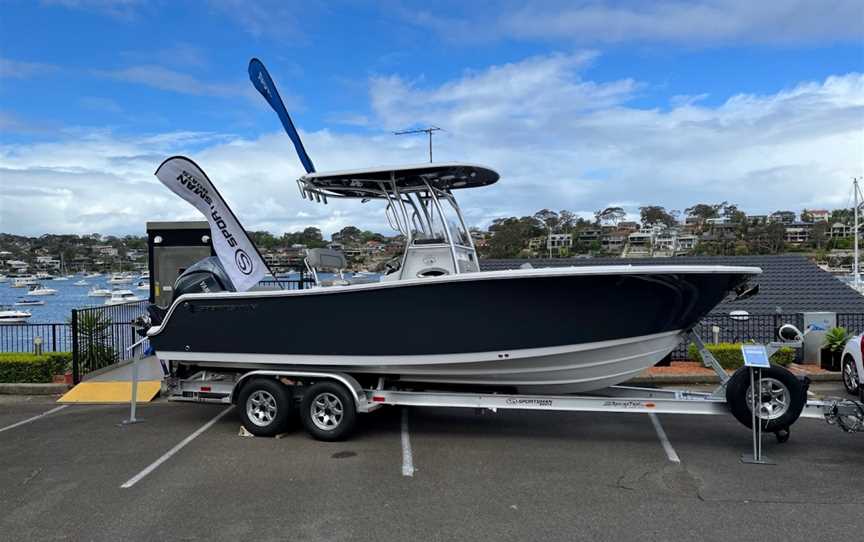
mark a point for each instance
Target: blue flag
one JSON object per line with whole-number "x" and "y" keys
{"x": 262, "y": 81}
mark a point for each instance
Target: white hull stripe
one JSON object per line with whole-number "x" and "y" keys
{"x": 431, "y": 359}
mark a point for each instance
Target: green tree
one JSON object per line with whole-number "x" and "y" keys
{"x": 655, "y": 214}
{"x": 703, "y": 211}
{"x": 348, "y": 234}
{"x": 510, "y": 235}
{"x": 819, "y": 235}
{"x": 609, "y": 215}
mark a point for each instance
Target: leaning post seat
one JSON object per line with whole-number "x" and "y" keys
{"x": 318, "y": 259}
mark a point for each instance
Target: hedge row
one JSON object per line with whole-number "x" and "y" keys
{"x": 730, "y": 357}
{"x": 32, "y": 368}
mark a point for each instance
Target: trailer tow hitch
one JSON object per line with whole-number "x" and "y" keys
{"x": 847, "y": 415}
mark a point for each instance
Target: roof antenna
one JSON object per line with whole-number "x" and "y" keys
{"x": 421, "y": 131}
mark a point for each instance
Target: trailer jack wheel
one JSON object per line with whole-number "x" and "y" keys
{"x": 779, "y": 402}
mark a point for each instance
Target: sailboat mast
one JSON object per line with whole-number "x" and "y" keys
{"x": 856, "y": 274}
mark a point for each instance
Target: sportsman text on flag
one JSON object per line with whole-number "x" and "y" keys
{"x": 235, "y": 250}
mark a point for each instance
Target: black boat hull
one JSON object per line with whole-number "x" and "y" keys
{"x": 533, "y": 329}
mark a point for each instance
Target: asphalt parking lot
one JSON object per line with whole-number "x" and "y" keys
{"x": 504, "y": 476}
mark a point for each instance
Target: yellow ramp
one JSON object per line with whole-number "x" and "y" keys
{"x": 110, "y": 392}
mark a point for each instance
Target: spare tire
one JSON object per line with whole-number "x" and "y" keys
{"x": 782, "y": 398}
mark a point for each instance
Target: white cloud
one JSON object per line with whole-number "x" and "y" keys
{"x": 166, "y": 79}
{"x": 273, "y": 19}
{"x": 667, "y": 21}
{"x": 559, "y": 141}
{"x": 119, "y": 9}
{"x": 15, "y": 69}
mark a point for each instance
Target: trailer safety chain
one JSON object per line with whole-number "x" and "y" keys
{"x": 847, "y": 415}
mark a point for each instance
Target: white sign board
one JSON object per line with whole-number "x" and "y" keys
{"x": 755, "y": 355}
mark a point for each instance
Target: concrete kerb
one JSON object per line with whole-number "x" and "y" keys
{"x": 15, "y": 388}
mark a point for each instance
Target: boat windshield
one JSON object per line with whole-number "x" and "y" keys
{"x": 454, "y": 224}
{"x": 432, "y": 221}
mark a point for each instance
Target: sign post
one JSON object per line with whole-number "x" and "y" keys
{"x": 756, "y": 359}
{"x": 134, "y": 399}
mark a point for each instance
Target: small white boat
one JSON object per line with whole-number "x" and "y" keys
{"x": 24, "y": 302}
{"x": 9, "y": 315}
{"x": 38, "y": 289}
{"x": 92, "y": 275}
{"x": 118, "y": 278}
{"x": 81, "y": 282}
{"x": 143, "y": 285}
{"x": 61, "y": 278}
{"x": 99, "y": 292}
{"x": 3, "y": 278}
{"x": 23, "y": 282}
{"x": 44, "y": 276}
{"x": 118, "y": 297}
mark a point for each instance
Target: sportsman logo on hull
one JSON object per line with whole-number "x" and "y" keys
{"x": 243, "y": 261}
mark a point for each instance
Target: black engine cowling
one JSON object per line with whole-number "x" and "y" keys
{"x": 204, "y": 276}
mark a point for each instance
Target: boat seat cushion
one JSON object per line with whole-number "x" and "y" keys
{"x": 325, "y": 258}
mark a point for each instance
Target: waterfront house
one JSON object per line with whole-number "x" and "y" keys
{"x": 782, "y": 217}
{"x": 798, "y": 233}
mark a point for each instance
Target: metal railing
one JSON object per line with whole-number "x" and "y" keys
{"x": 101, "y": 336}
{"x": 287, "y": 284}
{"x": 852, "y": 321}
{"x": 56, "y": 337}
{"x": 725, "y": 328}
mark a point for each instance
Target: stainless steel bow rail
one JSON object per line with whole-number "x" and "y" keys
{"x": 328, "y": 400}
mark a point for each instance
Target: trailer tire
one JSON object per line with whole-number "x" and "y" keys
{"x": 265, "y": 407}
{"x": 327, "y": 411}
{"x": 783, "y": 393}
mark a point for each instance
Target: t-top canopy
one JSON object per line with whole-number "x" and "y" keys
{"x": 363, "y": 183}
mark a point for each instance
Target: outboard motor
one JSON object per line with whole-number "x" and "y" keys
{"x": 204, "y": 276}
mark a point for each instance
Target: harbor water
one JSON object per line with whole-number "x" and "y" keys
{"x": 58, "y": 307}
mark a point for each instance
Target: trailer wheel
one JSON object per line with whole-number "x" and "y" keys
{"x": 850, "y": 375}
{"x": 780, "y": 403}
{"x": 327, "y": 411}
{"x": 265, "y": 407}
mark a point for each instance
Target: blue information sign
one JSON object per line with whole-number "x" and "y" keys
{"x": 755, "y": 355}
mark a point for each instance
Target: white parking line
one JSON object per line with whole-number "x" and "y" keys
{"x": 34, "y": 418}
{"x": 407, "y": 456}
{"x": 167, "y": 455}
{"x": 664, "y": 440}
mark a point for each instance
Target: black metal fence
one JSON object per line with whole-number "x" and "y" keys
{"x": 101, "y": 336}
{"x": 852, "y": 321}
{"x": 55, "y": 337}
{"x": 725, "y": 328}
{"x": 287, "y": 284}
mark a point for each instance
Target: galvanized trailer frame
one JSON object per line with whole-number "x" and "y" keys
{"x": 222, "y": 387}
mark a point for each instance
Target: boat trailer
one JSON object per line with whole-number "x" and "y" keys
{"x": 328, "y": 400}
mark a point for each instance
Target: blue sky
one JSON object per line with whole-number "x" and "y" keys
{"x": 578, "y": 104}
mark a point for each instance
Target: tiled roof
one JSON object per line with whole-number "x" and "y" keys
{"x": 792, "y": 283}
